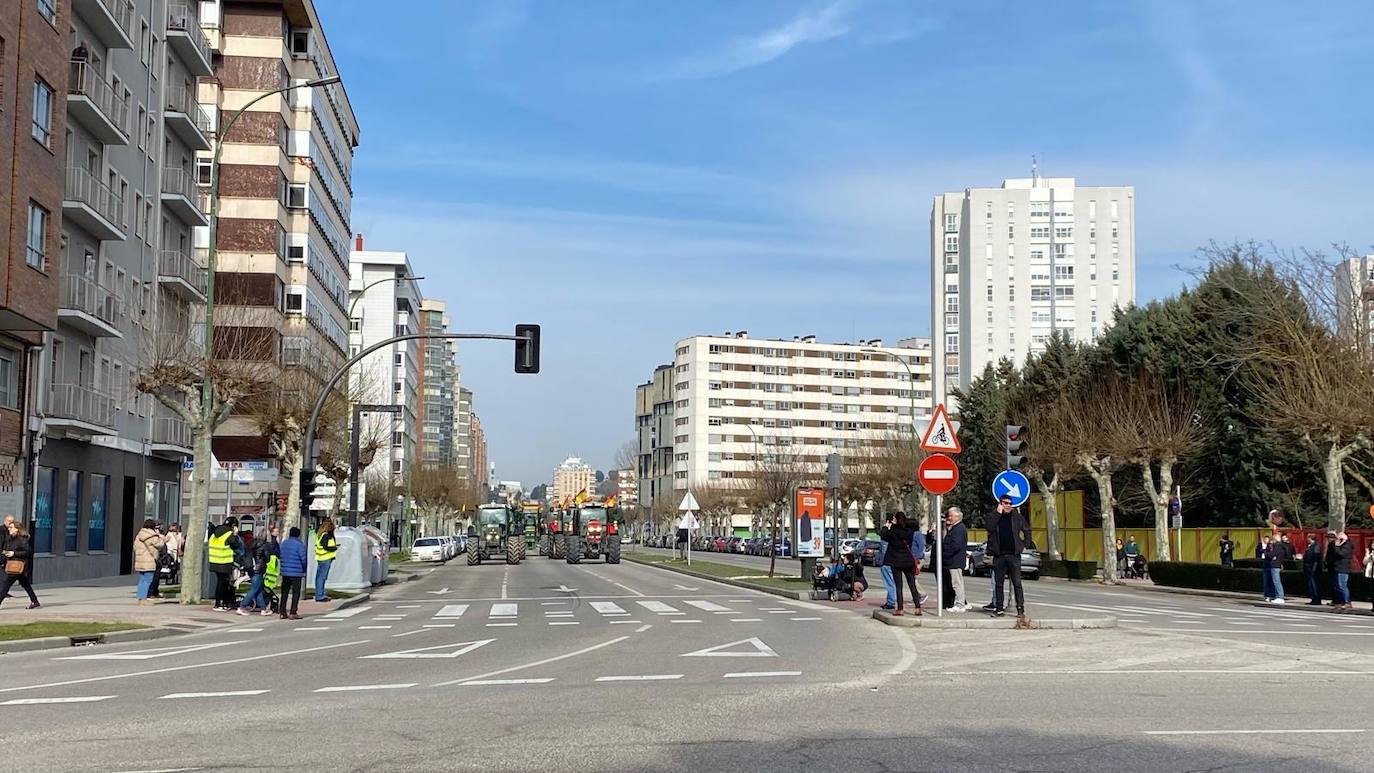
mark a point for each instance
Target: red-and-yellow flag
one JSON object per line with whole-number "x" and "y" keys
{"x": 581, "y": 497}
{"x": 610, "y": 501}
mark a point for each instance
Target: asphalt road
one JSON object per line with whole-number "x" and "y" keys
{"x": 546, "y": 666}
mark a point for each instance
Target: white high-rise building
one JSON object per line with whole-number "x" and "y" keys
{"x": 1011, "y": 265}
{"x": 1354, "y": 286}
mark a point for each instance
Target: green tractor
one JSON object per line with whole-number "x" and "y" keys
{"x": 532, "y": 513}
{"x": 499, "y": 531}
{"x": 591, "y": 532}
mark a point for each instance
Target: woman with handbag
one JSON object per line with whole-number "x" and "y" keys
{"x": 148, "y": 546}
{"x": 18, "y": 551}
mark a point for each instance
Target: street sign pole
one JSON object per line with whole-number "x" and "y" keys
{"x": 940, "y": 556}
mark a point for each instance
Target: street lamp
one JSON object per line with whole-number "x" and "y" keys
{"x": 400, "y": 278}
{"x": 911, "y": 379}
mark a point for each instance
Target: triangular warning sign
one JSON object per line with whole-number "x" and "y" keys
{"x": 939, "y": 436}
{"x": 759, "y": 650}
{"x": 449, "y": 651}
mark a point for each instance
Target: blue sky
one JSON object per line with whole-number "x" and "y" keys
{"x": 631, "y": 173}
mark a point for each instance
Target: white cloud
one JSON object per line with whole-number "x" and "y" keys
{"x": 818, "y": 26}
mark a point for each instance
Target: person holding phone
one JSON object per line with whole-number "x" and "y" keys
{"x": 1008, "y": 535}
{"x": 897, "y": 534}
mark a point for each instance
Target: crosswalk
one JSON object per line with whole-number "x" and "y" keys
{"x": 1160, "y": 613}
{"x": 513, "y": 614}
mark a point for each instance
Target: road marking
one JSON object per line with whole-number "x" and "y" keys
{"x": 558, "y": 614}
{"x": 658, "y": 607}
{"x": 684, "y": 587}
{"x": 536, "y": 663}
{"x": 608, "y": 608}
{"x": 364, "y": 687}
{"x": 1327, "y": 731}
{"x": 759, "y": 650}
{"x": 643, "y": 628}
{"x": 226, "y": 694}
{"x": 389, "y": 617}
{"x": 684, "y": 621}
{"x": 505, "y": 579}
{"x": 709, "y": 606}
{"x": 772, "y": 609}
{"x": 746, "y": 619}
{"x": 625, "y": 622}
{"x": 565, "y": 622}
{"x": 740, "y": 601}
{"x": 802, "y": 619}
{"x": 439, "y": 625}
{"x": 502, "y": 625}
{"x": 374, "y": 628}
{"x": 1140, "y": 671}
{"x": 344, "y": 614}
{"x": 439, "y": 592}
{"x": 504, "y": 610}
{"x": 1269, "y": 633}
{"x": 780, "y": 611}
{"x": 428, "y": 653}
{"x": 407, "y": 606}
{"x": 491, "y": 682}
{"x": 563, "y": 588}
{"x": 454, "y": 611}
{"x": 1302, "y": 625}
{"x": 37, "y": 701}
{"x": 640, "y": 678}
{"x": 554, "y": 603}
{"x": 407, "y": 633}
{"x": 312, "y": 628}
{"x": 158, "y": 652}
{"x": 248, "y": 630}
{"x": 908, "y": 652}
{"x": 755, "y": 674}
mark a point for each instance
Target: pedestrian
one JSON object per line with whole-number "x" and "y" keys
{"x": 898, "y": 535}
{"x": 1369, "y": 561}
{"x": 1120, "y": 557}
{"x": 222, "y": 544}
{"x": 148, "y": 546}
{"x": 953, "y": 555}
{"x": 1338, "y": 566}
{"x": 155, "y": 587}
{"x": 18, "y": 553}
{"x": 326, "y": 547}
{"x": 1008, "y": 535}
{"x": 1264, "y": 553}
{"x": 176, "y": 549}
{"x": 1312, "y": 568}
{"x": 4, "y": 532}
{"x": 1228, "y": 551}
{"x": 292, "y": 564}
{"x": 918, "y": 552}
{"x": 259, "y": 553}
{"x": 271, "y": 582}
{"x": 890, "y": 601}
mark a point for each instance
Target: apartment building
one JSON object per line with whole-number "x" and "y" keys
{"x": 736, "y": 399}
{"x": 1014, "y": 264}
{"x": 127, "y": 280}
{"x": 462, "y": 433}
{"x": 571, "y": 477}
{"x": 386, "y": 303}
{"x": 438, "y": 399}
{"x": 654, "y": 433}
{"x": 33, "y": 74}
{"x": 285, "y": 199}
{"x": 481, "y": 471}
{"x": 1354, "y": 295}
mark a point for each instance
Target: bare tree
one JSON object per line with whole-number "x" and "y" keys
{"x": 1159, "y": 425}
{"x": 175, "y": 367}
{"x": 1097, "y": 434}
{"x": 627, "y": 456}
{"x": 773, "y": 477}
{"x": 1050, "y": 456}
{"x": 437, "y": 493}
{"x": 889, "y": 474}
{"x": 717, "y": 501}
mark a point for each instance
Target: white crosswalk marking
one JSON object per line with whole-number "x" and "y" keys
{"x": 659, "y": 607}
{"x": 344, "y": 614}
{"x": 504, "y": 610}
{"x": 451, "y": 610}
{"x": 608, "y": 608}
{"x": 709, "y": 606}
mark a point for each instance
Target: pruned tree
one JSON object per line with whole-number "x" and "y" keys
{"x": 1040, "y": 402}
{"x": 437, "y": 493}
{"x": 717, "y": 501}
{"x": 773, "y": 477}
{"x": 1159, "y": 426}
{"x": 889, "y": 474}
{"x": 175, "y": 369}
{"x": 1095, "y": 430}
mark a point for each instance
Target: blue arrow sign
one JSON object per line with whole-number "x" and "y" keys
{"x": 1010, "y": 483}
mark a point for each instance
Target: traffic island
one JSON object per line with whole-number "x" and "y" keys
{"x": 930, "y": 620}
{"x": 741, "y": 577}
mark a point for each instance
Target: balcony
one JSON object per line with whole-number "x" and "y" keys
{"x": 112, "y": 21}
{"x": 90, "y": 204}
{"x": 185, "y": 118}
{"x": 186, "y": 39}
{"x": 82, "y": 411}
{"x": 182, "y": 196}
{"x": 181, "y": 274}
{"x": 93, "y": 103}
{"x": 171, "y": 437}
{"x": 95, "y": 310}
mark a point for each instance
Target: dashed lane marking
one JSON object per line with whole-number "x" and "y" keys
{"x": 374, "y": 628}
{"x": 746, "y": 620}
{"x": 38, "y": 701}
{"x": 366, "y": 687}
{"x": 684, "y": 621}
{"x": 640, "y": 678}
{"x": 440, "y": 625}
{"x": 760, "y": 674}
{"x": 802, "y": 619}
{"x": 494, "y": 682}
{"x": 312, "y": 628}
{"x": 502, "y": 625}
{"x": 625, "y": 622}
{"x": 564, "y": 622}
{"x": 225, "y": 694}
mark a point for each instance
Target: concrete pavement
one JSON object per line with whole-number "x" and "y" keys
{"x": 547, "y": 666}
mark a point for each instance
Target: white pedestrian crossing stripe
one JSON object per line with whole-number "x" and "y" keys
{"x": 451, "y": 610}
{"x": 344, "y": 614}
{"x": 608, "y": 608}
{"x": 659, "y": 607}
{"x": 504, "y": 610}
{"x": 708, "y": 606}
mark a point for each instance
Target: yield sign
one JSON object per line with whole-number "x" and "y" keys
{"x": 940, "y": 436}
{"x": 938, "y": 474}
{"x": 759, "y": 650}
{"x": 449, "y": 651}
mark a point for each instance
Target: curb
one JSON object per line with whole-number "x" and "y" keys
{"x": 787, "y": 594}
{"x": 1242, "y": 597}
{"x": 113, "y": 637}
{"x": 1004, "y": 623}
{"x": 396, "y": 578}
{"x": 353, "y": 601}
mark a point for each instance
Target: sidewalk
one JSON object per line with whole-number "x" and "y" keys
{"x": 1296, "y": 602}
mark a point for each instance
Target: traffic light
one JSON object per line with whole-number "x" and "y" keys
{"x": 1016, "y": 445}
{"x": 307, "y": 490}
{"x": 832, "y": 471}
{"x": 526, "y": 348}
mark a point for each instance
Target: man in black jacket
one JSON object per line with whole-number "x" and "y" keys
{"x": 954, "y": 555}
{"x": 1312, "y": 570}
{"x": 1008, "y": 535}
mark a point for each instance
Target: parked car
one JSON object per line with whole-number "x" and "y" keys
{"x": 869, "y": 552}
{"x": 783, "y": 548}
{"x": 428, "y": 549}
{"x": 980, "y": 563}
{"x": 718, "y": 545}
{"x": 851, "y": 543}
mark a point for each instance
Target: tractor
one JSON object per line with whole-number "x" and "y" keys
{"x": 532, "y": 514}
{"x": 554, "y": 523}
{"x": 499, "y": 531}
{"x": 591, "y": 533}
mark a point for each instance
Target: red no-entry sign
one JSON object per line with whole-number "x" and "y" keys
{"x": 938, "y": 474}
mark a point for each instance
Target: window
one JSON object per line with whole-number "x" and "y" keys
{"x": 295, "y": 253}
{"x": 1011, "y": 295}
{"x": 72, "y": 523}
{"x": 42, "y": 510}
{"x": 1092, "y": 209}
{"x": 401, "y": 330}
{"x": 1039, "y": 209}
{"x": 1063, "y": 232}
{"x": 1040, "y": 293}
{"x": 1063, "y": 293}
{"x": 715, "y": 367}
{"x": 951, "y": 243}
{"x": 1115, "y": 212}
{"x": 989, "y": 293}
{"x": 297, "y": 196}
{"x": 36, "y": 256}
{"x": 295, "y": 302}
{"x": 1011, "y": 230}
{"x": 1063, "y": 272}
{"x": 42, "y": 113}
{"x": 1092, "y": 230}
{"x": 396, "y": 387}
{"x": 1116, "y": 229}
{"x": 145, "y": 41}
{"x": 398, "y": 439}
{"x": 300, "y": 44}
{"x": 951, "y": 320}
{"x": 988, "y": 211}
{"x": 100, "y": 501}
{"x": 1040, "y": 232}
{"x": 951, "y": 223}
{"x": 398, "y": 359}
{"x": 48, "y": 10}
{"x": 138, "y": 215}
{"x": 1116, "y": 272}
{"x": 355, "y": 325}
{"x": 9, "y": 378}
{"x": 203, "y": 167}
{"x": 952, "y": 304}
{"x": 952, "y": 344}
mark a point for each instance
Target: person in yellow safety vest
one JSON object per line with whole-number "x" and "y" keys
{"x": 262, "y": 553}
{"x": 326, "y": 547}
{"x": 221, "y": 546}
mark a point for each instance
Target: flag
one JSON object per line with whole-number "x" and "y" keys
{"x": 610, "y": 501}
{"x": 581, "y": 497}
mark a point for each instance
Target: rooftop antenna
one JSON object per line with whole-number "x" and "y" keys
{"x": 1035, "y": 172}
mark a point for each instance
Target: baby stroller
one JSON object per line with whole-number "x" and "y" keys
{"x": 839, "y": 579}
{"x": 1135, "y": 567}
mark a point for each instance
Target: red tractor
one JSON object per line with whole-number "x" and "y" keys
{"x": 592, "y": 534}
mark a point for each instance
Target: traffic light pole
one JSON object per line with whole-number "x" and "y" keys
{"x": 527, "y": 361}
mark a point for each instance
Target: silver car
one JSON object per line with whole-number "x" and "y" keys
{"x": 980, "y": 563}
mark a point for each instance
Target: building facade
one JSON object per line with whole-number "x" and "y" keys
{"x": 654, "y": 433}
{"x": 34, "y": 61}
{"x": 481, "y": 472}
{"x": 462, "y": 433}
{"x": 571, "y": 477}
{"x": 1354, "y": 295}
{"x": 1012, "y": 265}
{"x": 438, "y": 389}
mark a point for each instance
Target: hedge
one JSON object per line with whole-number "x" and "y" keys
{"x": 1246, "y": 580}
{"x": 1072, "y": 570}
{"x": 1255, "y": 563}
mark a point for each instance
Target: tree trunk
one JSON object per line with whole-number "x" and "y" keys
{"x": 1049, "y": 493}
{"x": 198, "y": 520}
{"x": 291, "y": 468}
{"x": 1104, "y": 493}
{"x": 1335, "y": 487}
{"x": 773, "y": 546}
{"x": 1159, "y": 498}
